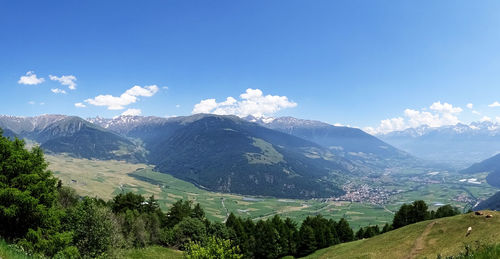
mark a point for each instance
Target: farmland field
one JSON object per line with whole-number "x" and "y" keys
{"x": 105, "y": 179}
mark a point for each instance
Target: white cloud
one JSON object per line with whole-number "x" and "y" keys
{"x": 80, "y": 105}
{"x": 252, "y": 102}
{"x": 65, "y": 80}
{"x": 445, "y": 108}
{"x": 165, "y": 87}
{"x": 177, "y": 106}
{"x": 497, "y": 119}
{"x": 389, "y": 125}
{"x": 470, "y": 105}
{"x": 485, "y": 118}
{"x": 132, "y": 112}
{"x": 495, "y": 104}
{"x": 32, "y": 102}
{"x": 476, "y": 112}
{"x": 30, "y": 79}
{"x": 205, "y": 106}
{"x": 128, "y": 97}
{"x": 58, "y": 91}
{"x": 440, "y": 114}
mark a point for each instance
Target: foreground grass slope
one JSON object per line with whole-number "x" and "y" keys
{"x": 151, "y": 252}
{"x": 445, "y": 236}
{"x": 8, "y": 252}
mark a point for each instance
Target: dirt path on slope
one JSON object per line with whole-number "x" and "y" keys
{"x": 420, "y": 241}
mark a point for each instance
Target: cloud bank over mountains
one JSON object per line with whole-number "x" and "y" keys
{"x": 130, "y": 96}
{"x": 436, "y": 115}
{"x": 252, "y": 102}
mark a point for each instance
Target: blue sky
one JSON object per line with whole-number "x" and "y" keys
{"x": 350, "y": 62}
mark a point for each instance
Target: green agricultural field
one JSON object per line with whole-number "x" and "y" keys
{"x": 427, "y": 239}
{"x": 105, "y": 179}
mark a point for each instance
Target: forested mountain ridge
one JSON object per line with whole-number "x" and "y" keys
{"x": 350, "y": 143}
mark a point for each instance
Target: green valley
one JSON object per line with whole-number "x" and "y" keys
{"x": 108, "y": 178}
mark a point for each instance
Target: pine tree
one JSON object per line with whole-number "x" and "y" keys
{"x": 307, "y": 243}
{"x": 344, "y": 231}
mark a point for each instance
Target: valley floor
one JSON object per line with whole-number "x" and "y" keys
{"x": 105, "y": 179}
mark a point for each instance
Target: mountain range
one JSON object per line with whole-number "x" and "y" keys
{"x": 72, "y": 135}
{"x": 282, "y": 157}
{"x": 350, "y": 143}
{"x": 460, "y": 145}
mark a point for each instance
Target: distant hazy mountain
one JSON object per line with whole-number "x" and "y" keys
{"x": 491, "y": 165}
{"x": 73, "y": 135}
{"x": 459, "y": 144}
{"x": 351, "y": 143}
{"x": 492, "y": 203}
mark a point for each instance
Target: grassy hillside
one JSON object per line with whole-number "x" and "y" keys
{"x": 446, "y": 236}
{"x": 157, "y": 252}
{"x": 9, "y": 252}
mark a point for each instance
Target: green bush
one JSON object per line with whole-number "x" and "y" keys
{"x": 212, "y": 248}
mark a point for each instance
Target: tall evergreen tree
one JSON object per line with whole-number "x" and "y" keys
{"x": 344, "y": 231}
{"x": 307, "y": 243}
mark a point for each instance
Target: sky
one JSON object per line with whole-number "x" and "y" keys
{"x": 377, "y": 65}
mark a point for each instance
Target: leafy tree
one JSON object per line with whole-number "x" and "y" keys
{"x": 187, "y": 230}
{"x": 151, "y": 205}
{"x": 409, "y": 214}
{"x": 128, "y": 201}
{"x": 446, "y": 211}
{"x": 217, "y": 229}
{"x": 67, "y": 196}
{"x": 213, "y": 248}
{"x": 419, "y": 211}
{"x": 179, "y": 210}
{"x": 402, "y": 217}
{"x": 198, "y": 212}
{"x": 27, "y": 190}
{"x": 95, "y": 228}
